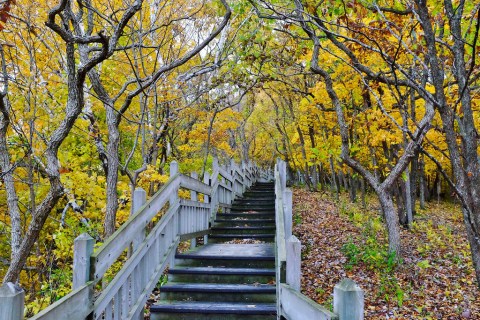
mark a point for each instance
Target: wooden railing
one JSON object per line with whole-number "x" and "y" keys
{"x": 142, "y": 247}
{"x": 348, "y": 298}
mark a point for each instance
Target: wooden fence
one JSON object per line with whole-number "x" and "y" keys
{"x": 348, "y": 298}
{"x": 145, "y": 247}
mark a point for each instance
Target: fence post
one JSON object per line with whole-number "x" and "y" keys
{"x": 348, "y": 300}
{"x": 282, "y": 170}
{"x": 294, "y": 262}
{"x": 139, "y": 199}
{"x": 12, "y": 299}
{"x": 206, "y": 180}
{"x": 173, "y": 172}
{"x": 82, "y": 250}
{"x": 215, "y": 164}
{"x": 173, "y": 199}
{"x": 287, "y": 212}
{"x": 244, "y": 177}
{"x": 193, "y": 197}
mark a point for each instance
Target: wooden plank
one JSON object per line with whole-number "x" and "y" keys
{"x": 108, "y": 253}
{"x": 294, "y": 261}
{"x": 194, "y": 184}
{"x": 224, "y": 186}
{"x": 287, "y": 213}
{"x": 76, "y": 305}
{"x": 143, "y": 296}
{"x": 296, "y": 306}
{"x": 82, "y": 250}
{"x": 348, "y": 300}
{"x": 194, "y": 204}
{"x": 12, "y": 300}
{"x": 225, "y": 174}
{"x": 120, "y": 279}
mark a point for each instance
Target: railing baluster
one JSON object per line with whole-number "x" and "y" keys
{"x": 109, "y": 311}
{"x": 117, "y": 305}
{"x": 120, "y": 296}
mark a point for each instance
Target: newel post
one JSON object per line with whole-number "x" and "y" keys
{"x": 82, "y": 250}
{"x": 139, "y": 199}
{"x": 294, "y": 262}
{"x": 287, "y": 212}
{"x": 214, "y": 164}
{"x": 282, "y": 170}
{"x": 348, "y": 300}
{"x": 193, "y": 197}
{"x": 206, "y": 180}
{"x": 244, "y": 179}
{"x": 173, "y": 172}
{"x": 12, "y": 299}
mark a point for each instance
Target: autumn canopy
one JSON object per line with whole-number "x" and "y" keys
{"x": 99, "y": 96}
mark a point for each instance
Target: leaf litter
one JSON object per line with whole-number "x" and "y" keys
{"x": 436, "y": 279}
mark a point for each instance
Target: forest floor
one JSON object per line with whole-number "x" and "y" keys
{"x": 435, "y": 279}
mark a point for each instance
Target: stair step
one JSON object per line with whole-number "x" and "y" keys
{"x": 215, "y": 271}
{"x": 218, "y": 288}
{"x": 223, "y": 238}
{"x": 260, "y": 200}
{"x": 229, "y": 255}
{"x": 244, "y": 220}
{"x": 244, "y": 215}
{"x": 218, "y": 292}
{"x": 253, "y": 210}
{"x": 259, "y": 194}
{"x": 221, "y": 275}
{"x": 242, "y": 230}
{"x": 242, "y": 236}
{"x": 211, "y": 310}
{"x": 244, "y": 223}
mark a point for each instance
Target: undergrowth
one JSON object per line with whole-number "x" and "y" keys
{"x": 372, "y": 251}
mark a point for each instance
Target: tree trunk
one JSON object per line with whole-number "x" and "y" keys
{"x": 422, "y": 185}
{"x": 112, "y": 176}
{"x": 7, "y": 176}
{"x": 335, "y": 186}
{"x": 391, "y": 220}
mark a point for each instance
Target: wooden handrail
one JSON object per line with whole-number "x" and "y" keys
{"x": 140, "y": 272}
{"x": 291, "y": 304}
{"x": 108, "y": 253}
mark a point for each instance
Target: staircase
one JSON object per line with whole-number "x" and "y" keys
{"x": 233, "y": 276}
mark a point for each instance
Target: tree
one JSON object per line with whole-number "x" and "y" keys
{"x": 355, "y": 34}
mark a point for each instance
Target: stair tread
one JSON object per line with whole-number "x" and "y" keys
{"x": 243, "y": 227}
{"x": 258, "y": 251}
{"x": 249, "y": 213}
{"x": 213, "y": 307}
{"x": 217, "y": 270}
{"x": 218, "y": 287}
{"x": 242, "y": 220}
{"x": 244, "y": 235}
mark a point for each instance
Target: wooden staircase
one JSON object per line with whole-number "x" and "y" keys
{"x": 233, "y": 276}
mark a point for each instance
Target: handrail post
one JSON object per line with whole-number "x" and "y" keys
{"x": 348, "y": 300}
{"x": 82, "y": 250}
{"x": 234, "y": 184}
{"x": 12, "y": 299}
{"x": 206, "y": 180}
{"x": 193, "y": 197}
{"x": 139, "y": 199}
{"x": 294, "y": 262}
{"x": 282, "y": 170}
{"x": 287, "y": 212}
{"x": 173, "y": 172}
{"x": 215, "y": 167}
{"x": 173, "y": 199}
{"x": 244, "y": 175}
